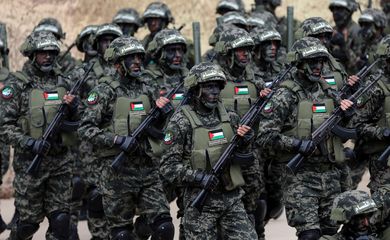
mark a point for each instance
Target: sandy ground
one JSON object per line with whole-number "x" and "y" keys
{"x": 275, "y": 230}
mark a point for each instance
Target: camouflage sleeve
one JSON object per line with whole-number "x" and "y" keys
{"x": 175, "y": 166}
{"x": 10, "y": 114}
{"x": 235, "y": 122}
{"x": 98, "y": 111}
{"x": 151, "y": 87}
{"x": 279, "y": 111}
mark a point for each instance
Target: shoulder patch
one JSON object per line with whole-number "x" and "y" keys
{"x": 7, "y": 92}
{"x": 92, "y": 98}
{"x": 168, "y": 138}
{"x": 268, "y": 107}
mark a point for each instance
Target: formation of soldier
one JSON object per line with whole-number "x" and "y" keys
{"x": 140, "y": 124}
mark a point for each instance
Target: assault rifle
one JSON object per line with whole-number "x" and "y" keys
{"x": 130, "y": 143}
{"x": 56, "y": 123}
{"x": 323, "y": 131}
{"x": 248, "y": 119}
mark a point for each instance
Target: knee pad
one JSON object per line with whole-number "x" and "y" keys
{"x": 163, "y": 228}
{"x": 312, "y": 234}
{"x": 121, "y": 234}
{"x": 26, "y": 230}
{"x": 78, "y": 188}
{"x": 142, "y": 228}
{"x": 59, "y": 225}
{"x": 95, "y": 204}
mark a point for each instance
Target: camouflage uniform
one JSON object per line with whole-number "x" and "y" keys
{"x": 257, "y": 19}
{"x": 385, "y": 4}
{"x": 103, "y": 123}
{"x": 345, "y": 43}
{"x": 348, "y": 205}
{"x": 128, "y": 20}
{"x": 27, "y": 95}
{"x": 84, "y": 42}
{"x": 185, "y": 164}
{"x": 309, "y": 194}
{"x": 381, "y": 218}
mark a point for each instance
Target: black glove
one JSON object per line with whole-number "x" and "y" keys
{"x": 38, "y": 146}
{"x": 304, "y": 147}
{"x": 127, "y": 144}
{"x": 205, "y": 180}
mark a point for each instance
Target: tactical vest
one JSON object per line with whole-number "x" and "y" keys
{"x": 333, "y": 75}
{"x": 373, "y": 146}
{"x": 208, "y": 145}
{"x": 127, "y": 115}
{"x": 239, "y": 96}
{"x": 98, "y": 69}
{"x": 309, "y": 117}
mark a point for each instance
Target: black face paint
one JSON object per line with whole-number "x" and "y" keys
{"x": 367, "y": 30}
{"x": 173, "y": 56}
{"x": 360, "y": 224}
{"x": 341, "y": 16}
{"x": 324, "y": 38}
{"x": 209, "y": 94}
{"x": 133, "y": 64}
{"x": 269, "y": 50}
{"x": 313, "y": 68}
{"x": 103, "y": 43}
{"x": 128, "y": 29}
{"x": 44, "y": 60}
{"x": 242, "y": 57}
{"x": 155, "y": 24}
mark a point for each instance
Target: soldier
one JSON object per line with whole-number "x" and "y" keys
{"x": 353, "y": 209}
{"x": 344, "y": 42}
{"x": 256, "y": 19}
{"x": 297, "y": 108}
{"x": 65, "y": 59}
{"x": 225, "y": 6}
{"x": 28, "y": 104}
{"x": 372, "y": 23}
{"x": 106, "y": 124}
{"x": 195, "y": 137}
{"x": 128, "y": 20}
{"x": 385, "y": 4}
{"x": 84, "y": 42}
{"x": 234, "y": 18}
{"x": 381, "y": 218}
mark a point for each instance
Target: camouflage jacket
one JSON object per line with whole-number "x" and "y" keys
{"x": 268, "y": 72}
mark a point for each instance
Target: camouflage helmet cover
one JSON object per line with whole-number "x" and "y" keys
{"x": 165, "y": 37}
{"x": 350, "y": 5}
{"x": 265, "y": 33}
{"x": 233, "y": 18}
{"x": 231, "y": 5}
{"x": 372, "y": 15}
{"x": 127, "y": 15}
{"x": 383, "y": 49}
{"x": 213, "y": 39}
{"x": 39, "y": 41}
{"x": 351, "y": 203}
{"x": 106, "y": 29}
{"x": 202, "y": 73}
{"x": 306, "y": 48}
{"x": 158, "y": 10}
{"x": 85, "y": 33}
{"x": 50, "y": 25}
{"x": 122, "y": 46}
{"x": 261, "y": 18}
{"x": 233, "y": 38}
{"x": 313, "y": 26}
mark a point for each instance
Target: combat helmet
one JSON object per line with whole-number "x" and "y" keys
{"x": 50, "y": 25}
{"x": 350, "y": 5}
{"x": 87, "y": 32}
{"x": 372, "y": 15}
{"x": 225, "y": 6}
{"x": 163, "y": 38}
{"x": 383, "y": 49}
{"x": 234, "y": 18}
{"x": 127, "y": 15}
{"x": 258, "y": 19}
{"x": 213, "y": 39}
{"x": 351, "y": 203}
{"x": 39, "y": 41}
{"x": 313, "y": 26}
{"x": 158, "y": 10}
{"x": 203, "y": 73}
{"x": 307, "y": 48}
{"x": 233, "y": 38}
{"x": 106, "y": 29}
{"x": 265, "y": 33}
{"x": 121, "y": 47}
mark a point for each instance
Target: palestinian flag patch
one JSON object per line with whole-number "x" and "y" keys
{"x": 178, "y": 96}
{"x": 268, "y": 107}
{"x": 168, "y": 138}
{"x": 137, "y": 106}
{"x": 330, "y": 80}
{"x": 241, "y": 90}
{"x": 318, "y": 108}
{"x": 7, "y": 93}
{"x": 216, "y": 135}
{"x": 51, "y": 96}
{"x": 92, "y": 98}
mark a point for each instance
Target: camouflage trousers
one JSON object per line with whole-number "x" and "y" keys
{"x": 381, "y": 218}
{"x": 358, "y": 168}
{"x": 4, "y": 148}
{"x": 37, "y": 197}
{"x": 379, "y": 173}
{"x": 136, "y": 187}
{"x": 222, "y": 211}
{"x": 309, "y": 197}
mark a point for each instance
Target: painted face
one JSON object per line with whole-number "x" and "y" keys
{"x": 313, "y": 68}
{"x": 103, "y": 43}
{"x": 242, "y": 56}
{"x": 269, "y": 50}
{"x": 134, "y": 64}
{"x": 209, "y": 94}
{"x": 340, "y": 16}
{"x": 324, "y": 38}
{"x": 367, "y": 30}
{"x": 174, "y": 55}
{"x": 45, "y": 60}
{"x": 155, "y": 24}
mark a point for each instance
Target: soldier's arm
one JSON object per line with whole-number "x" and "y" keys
{"x": 97, "y": 112}
{"x": 274, "y": 116}
{"x": 174, "y": 165}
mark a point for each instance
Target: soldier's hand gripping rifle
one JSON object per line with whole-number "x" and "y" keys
{"x": 51, "y": 130}
{"x": 323, "y": 131}
{"x": 130, "y": 143}
{"x": 248, "y": 119}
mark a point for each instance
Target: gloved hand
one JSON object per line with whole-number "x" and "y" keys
{"x": 205, "y": 180}
{"x": 304, "y": 147}
{"x": 38, "y": 146}
{"x": 126, "y": 143}
{"x": 386, "y": 134}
